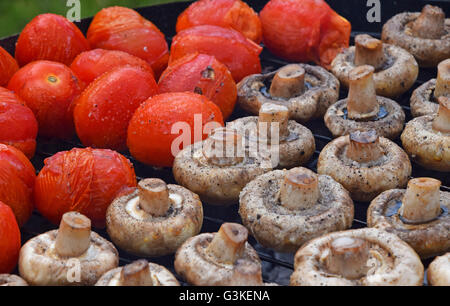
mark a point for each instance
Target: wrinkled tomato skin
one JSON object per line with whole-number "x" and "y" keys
{"x": 150, "y": 134}
{"x": 234, "y": 14}
{"x": 50, "y": 37}
{"x": 48, "y": 89}
{"x": 83, "y": 180}
{"x": 17, "y": 178}
{"x": 228, "y": 46}
{"x": 8, "y": 66}
{"x": 18, "y": 126}
{"x": 120, "y": 28}
{"x": 202, "y": 74}
{"x": 104, "y": 109}
{"x": 9, "y": 239}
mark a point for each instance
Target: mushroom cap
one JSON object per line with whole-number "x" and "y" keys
{"x": 197, "y": 268}
{"x": 395, "y": 78}
{"x": 394, "y": 262}
{"x": 365, "y": 181}
{"x": 428, "y": 52}
{"x": 285, "y": 230}
{"x": 439, "y": 271}
{"x": 425, "y": 146}
{"x": 295, "y": 150}
{"x": 9, "y": 280}
{"x": 427, "y": 239}
{"x": 322, "y": 90}
{"x": 388, "y": 125}
{"x": 422, "y": 101}
{"x": 137, "y": 232}
{"x": 40, "y": 265}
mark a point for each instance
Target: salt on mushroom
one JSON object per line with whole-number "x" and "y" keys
{"x": 439, "y": 271}
{"x": 364, "y": 110}
{"x": 154, "y": 220}
{"x": 71, "y": 255}
{"x": 418, "y": 215}
{"x": 306, "y": 90}
{"x": 285, "y": 209}
{"x": 9, "y": 280}
{"x": 365, "y": 164}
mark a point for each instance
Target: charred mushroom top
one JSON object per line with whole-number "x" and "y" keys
{"x": 365, "y": 164}
{"x": 439, "y": 271}
{"x": 9, "y": 280}
{"x": 425, "y": 35}
{"x": 71, "y": 255}
{"x": 395, "y": 69}
{"x": 367, "y": 257}
{"x": 307, "y": 91}
{"x": 364, "y": 110}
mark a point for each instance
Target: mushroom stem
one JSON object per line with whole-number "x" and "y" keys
{"x": 136, "y": 274}
{"x": 443, "y": 79}
{"x": 300, "y": 189}
{"x": 246, "y": 273}
{"x": 224, "y": 147}
{"x": 421, "y": 202}
{"x": 74, "y": 235}
{"x": 364, "y": 146}
{"x": 228, "y": 243}
{"x": 430, "y": 24}
{"x": 369, "y": 51}
{"x": 154, "y": 197}
{"x": 348, "y": 257}
{"x": 288, "y": 82}
{"x": 362, "y": 101}
{"x": 273, "y": 119}
{"x": 442, "y": 121}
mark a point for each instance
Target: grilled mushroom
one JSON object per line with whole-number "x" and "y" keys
{"x": 218, "y": 168}
{"x": 425, "y": 35}
{"x": 367, "y": 257}
{"x": 395, "y": 69}
{"x": 418, "y": 215}
{"x": 72, "y": 255}
{"x": 293, "y": 142}
{"x": 155, "y": 220}
{"x": 285, "y": 209}
{"x": 424, "y": 98}
{"x": 9, "y": 280}
{"x": 365, "y": 164}
{"x": 138, "y": 273}
{"x": 439, "y": 271}
{"x": 307, "y": 91}
{"x": 224, "y": 258}
{"x": 427, "y": 139}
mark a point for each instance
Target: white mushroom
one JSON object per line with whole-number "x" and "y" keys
{"x": 439, "y": 271}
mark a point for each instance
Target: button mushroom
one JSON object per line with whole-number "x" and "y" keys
{"x": 224, "y": 258}
{"x": 138, "y": 273}
{"x": 418, "y": 215}
{"x": 425, "y": 35}
{"x": 427, "y": 139}
{"x": 9, "y": 280}
{"x": 364, "y": 257}
{"x": 439, "y": 271}
{"x": 71, "y": 255}
{"x": 218, "y": 168}
{"x": 365, "y": 164}
{"x": 395, "y": 69}
{"x": 307, "y": 91}
{"x": 363, "y": 109}
{"x": 293, "y": 142}
{"x": 285, "y": 209}
{"x": 155, "y": 219}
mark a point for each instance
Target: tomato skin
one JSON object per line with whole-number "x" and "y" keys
{"x": 48, "y": 89}
{"x": 82, "y": 180}
{"x": 240, "y": 55}
{"x": 150, "y": 135}
{"x": 8, "y": 66}
{"x": 50, "y": 37}
{"x": 17, "y": 178}
{"x": 201, "y": 73}
{"x": 120, "y": 28}
{"x": 10, "y": 240}
{"x": 234, "y": 14}
{"x": 104, "y": 109}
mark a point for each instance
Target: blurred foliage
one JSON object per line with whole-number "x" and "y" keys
{"x": 14, "y": 15}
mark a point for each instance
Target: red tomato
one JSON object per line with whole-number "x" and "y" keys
{"x": 48, "y": 88}
{"x": 228, "y": 46}
{"x": 8, "y": 66}
{"x": 104, "y": 109}
{"x": 234, "y": 14}
{"x": 50, "y": 37}
{"x": 9, "y": 239}
{"x": 150, "y": 137}
{"x": 82, "y": 180}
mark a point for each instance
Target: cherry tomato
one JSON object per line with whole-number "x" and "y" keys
{"x": 8, "y": 66}
{"x": 9, "y": 239}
